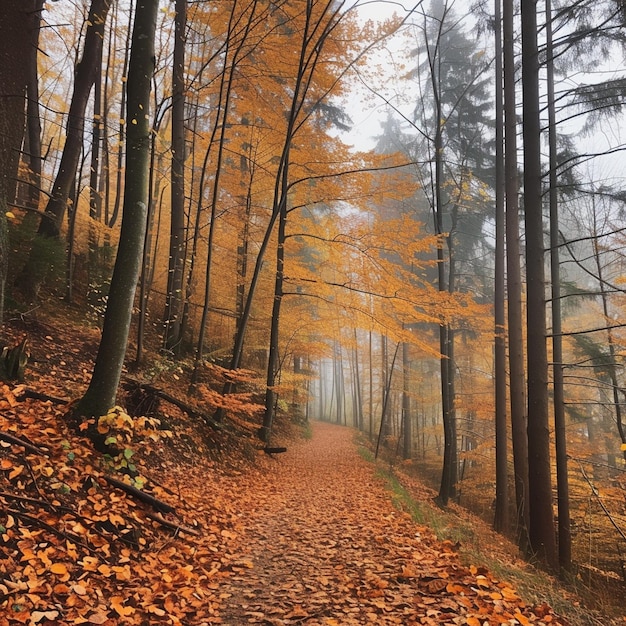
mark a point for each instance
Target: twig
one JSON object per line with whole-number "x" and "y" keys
{"x": 21, "y": 442}
{"x": 602, "y": 505}
{"x": 27, "y": 392}
{"x": 42, "y": 503}
{"x": 155, "y": 503}
{"x": 177, "y": 527}
{"x": 56, "y": 531}
{"x": 32, "y": 475}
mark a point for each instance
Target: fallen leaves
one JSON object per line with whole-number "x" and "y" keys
{"x": 328, "y": 548}
{"x": 311, "y": 538}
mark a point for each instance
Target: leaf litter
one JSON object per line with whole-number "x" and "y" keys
{"x": 307, "y": 537}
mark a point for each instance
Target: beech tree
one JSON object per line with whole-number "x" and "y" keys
{"x": 177, "y": 247}
{"x": 85, "y": 75}
{"x": 101, "y": 393}
{"x": 16, "y": 31}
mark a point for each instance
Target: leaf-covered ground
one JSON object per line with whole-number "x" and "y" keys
{"x": 324, "y": 545}
{"x": 230, "y": 536}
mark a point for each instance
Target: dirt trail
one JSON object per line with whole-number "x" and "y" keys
{"x": 323, "y": 544}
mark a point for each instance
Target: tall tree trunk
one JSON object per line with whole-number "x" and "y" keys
{"x": 122, "y": 126}
{"x": 501, "y": 521}
{"x": 84, "y": 78}
{"x": 447, "y": 486}
{"x": 358, "y": 395}
{"x": 226, "y": 90}
{"x": 517, "y": 375}
{"x": 33, "y": 119}
{"x": 16, "y": 38}
{"x": 147, "y": 264}
{"x": 272, "y": 365}
{"x": 541, "y": 531}
{"x": 314, "y": 33}
{"x": 384, "y": 428}
{"x": 102, "y": 390}
{"x": 95, "y": 199}
{"x": 371, "y": 389}
{"x": 174, "y": 297}
{"x": 407, "y": 447}
{"x": 564, "y": 529}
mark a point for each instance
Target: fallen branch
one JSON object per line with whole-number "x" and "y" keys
{"x": 74, "y": 539}
{"x": 271, "y": 451}
{"x": 155, "y": 503}
{"x": 23, "y": 393}
{"x": 172, "y": 525}
{"x": 183, "y": 406}
{"x": 40, "y": 503}
{"x": 21, "y": 442}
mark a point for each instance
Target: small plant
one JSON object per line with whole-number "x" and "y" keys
{"x": 121, "y": 431}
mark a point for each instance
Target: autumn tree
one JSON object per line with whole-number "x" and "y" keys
{"x": 177, "y": 248}
{"x": 16, "y": 32}
{"x": 101, "y": 393}
{"x": 452, "y": 125}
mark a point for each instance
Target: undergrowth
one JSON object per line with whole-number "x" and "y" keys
{"x": 568, "y": 597}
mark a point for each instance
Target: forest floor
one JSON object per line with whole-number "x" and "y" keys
{"x": 319, "y": 535}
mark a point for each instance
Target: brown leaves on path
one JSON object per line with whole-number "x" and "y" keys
{"x": 326, "y": 546}
{"x": 306, "y": 537}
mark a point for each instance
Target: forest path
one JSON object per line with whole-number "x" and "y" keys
{"x": 322, "y": 543}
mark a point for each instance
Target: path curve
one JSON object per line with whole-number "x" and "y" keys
{"x": 323, "y": 544}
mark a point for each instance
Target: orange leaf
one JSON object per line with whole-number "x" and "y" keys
{"x": 58, "y": 568}
{"x": 79, "y": 589}
{"x": 105, "y": 570}
{"x": 16, "y": 472}
{"x": 117, "y": 604}
{"x": 509, "y": 594}
{"x": 37, "y": 616}
{"x": 521, "y": 619}
{"x": 98, "y": 618}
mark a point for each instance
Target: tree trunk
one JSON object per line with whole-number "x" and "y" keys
{"x": 564, "y": 529}
{"x": 85, "y": 76}
{"x": 500, "y": 521}
{"x": 407, "y": 447}
{"x": 541, "y": 531}
{"x": 122, "y": 126}
{"x": 15, "y": 42}
{"x": 174, "y": 297}
{"x": 33, "y": 118}
{"x": 358, "y": 399}
{"x": 272, "y": 365}
{"x": 517, "y": 375}
{"x": 447, "y": 486}
{"x": 102, "y": 390}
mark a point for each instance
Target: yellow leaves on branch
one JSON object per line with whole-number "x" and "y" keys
{"x": 121, "y": 426}
{"x": 233, "y": 403}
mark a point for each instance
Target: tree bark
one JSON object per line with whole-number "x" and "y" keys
{"x": 541, "y": 530}
{"x": 15, "y": 42}
{"x": 407, "y": 447}
{"x": 85, "y": 76}
{"x": 517, "y": 375}
{"x": 101, "y": 393}
{"x": 564, "y": 528}
{"x": 174, "y": 298}
{"x": 501, "y": 520}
